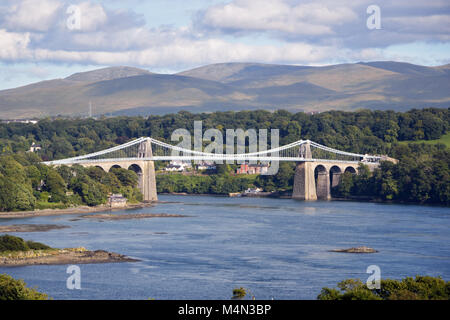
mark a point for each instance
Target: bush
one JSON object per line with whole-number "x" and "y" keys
{"x": 11, "y": 243}
{"x": 12, "y": 289}
{"x": 37, "y": 245}
{"x": 419, "y": 288}
{"x": 239, "y": 293}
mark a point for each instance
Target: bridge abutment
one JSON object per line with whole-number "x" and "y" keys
{"x": 312, "y": 178}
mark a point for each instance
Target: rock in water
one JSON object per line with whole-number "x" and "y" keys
{"x": 362, "y": 249}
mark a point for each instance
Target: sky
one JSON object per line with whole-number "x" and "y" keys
{"x": 47, "y": 39}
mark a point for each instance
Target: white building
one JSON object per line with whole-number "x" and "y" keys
{"x": 178, "y": 165}
{"x": 205, "y": 165}
{"x": 34, "y": 147}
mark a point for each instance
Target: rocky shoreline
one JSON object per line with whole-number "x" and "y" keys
{"x": 61, "y": 256}
{"x": 72, "y": 210}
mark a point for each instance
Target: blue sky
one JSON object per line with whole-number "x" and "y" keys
{"x": 37, "y": 42}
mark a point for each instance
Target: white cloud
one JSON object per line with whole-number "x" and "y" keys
{"x": 284, "y": 31}
{"x": 32, "y": 15}
{"x": 13, "y": 45}
{"x": 92, "y": 16}
{"x": 277, "y": 16}
{"x": 184, "y": 53}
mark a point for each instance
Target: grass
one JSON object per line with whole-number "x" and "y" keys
{"x": 445, "y": 139}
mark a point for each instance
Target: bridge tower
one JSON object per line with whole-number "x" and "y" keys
{"x": 304, "y": 183}
{"x": 147, "y": 179}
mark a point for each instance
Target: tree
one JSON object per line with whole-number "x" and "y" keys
{"x": 34, "y": 175}
{"x": 12, "y": 289}
{"x": 344, "y": 188}
{"x": 15, "y": 196}
{"x": 96, "y": 173}
{"x": 92, "y": 193}
{"x": 12, "y": 243}
{"x": 126, "y": 177}
{"x": 223, "y": 169}
{"x": 418, "y": 288}
{"x": 56, "y": 186}
{"x": 111, "y": 180}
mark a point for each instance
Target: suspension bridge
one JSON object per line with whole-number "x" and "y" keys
{"x": 318, "y": 167}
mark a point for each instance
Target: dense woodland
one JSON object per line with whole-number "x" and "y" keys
{"x": 26, "y": 184}
{"x": 422, "y": 175}
{"x": 361, "y": 132}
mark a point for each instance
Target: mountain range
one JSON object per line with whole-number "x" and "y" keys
{"x": 233, "y": 86}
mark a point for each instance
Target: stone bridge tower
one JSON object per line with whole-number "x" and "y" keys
{"x": 147, "y": 181}
{"x": 304, "y": 182}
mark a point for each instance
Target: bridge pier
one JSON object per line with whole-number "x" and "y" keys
{"x": 335, "y": 179}
{"x": 304, "y": 183}
{"x": 148, "y": 182}
{"x": 323, "y": 186}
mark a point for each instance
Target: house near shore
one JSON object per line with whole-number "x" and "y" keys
{"x": 246, "y": 168}
{"x": 176, "y": 165}
{"x": 206, "y": 165}
{"x": 117, "y": 200}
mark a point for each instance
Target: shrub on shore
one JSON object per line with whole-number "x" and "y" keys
{"x": 12, "y": 289}
{"x": 12, "y": 243}
{"x": 418, "y": 288}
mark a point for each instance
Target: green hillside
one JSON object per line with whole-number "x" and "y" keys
{"x": 445, "y": 139}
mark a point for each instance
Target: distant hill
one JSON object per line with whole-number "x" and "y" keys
{"x": 233, "y": 86}
{"x": 107, "y": 74}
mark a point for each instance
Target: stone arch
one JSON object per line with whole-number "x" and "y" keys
{"x": 322, "y": 179}
{"x": 350, "y": 169}
{"x": 114, "y": 166}
{"x": 335, "y": 176}
{"x": 100, "y": 167}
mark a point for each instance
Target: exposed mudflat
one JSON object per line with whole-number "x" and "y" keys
{"x": 72, "y": 210}
{"x": 30, "y": 227}
{"x": 111, "y": 216}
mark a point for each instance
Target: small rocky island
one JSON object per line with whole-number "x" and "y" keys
{"x": 14, "y": 251}
{"x": 362, "y": 249}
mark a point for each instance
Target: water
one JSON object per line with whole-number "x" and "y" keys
{"x": 277, "y": 248}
